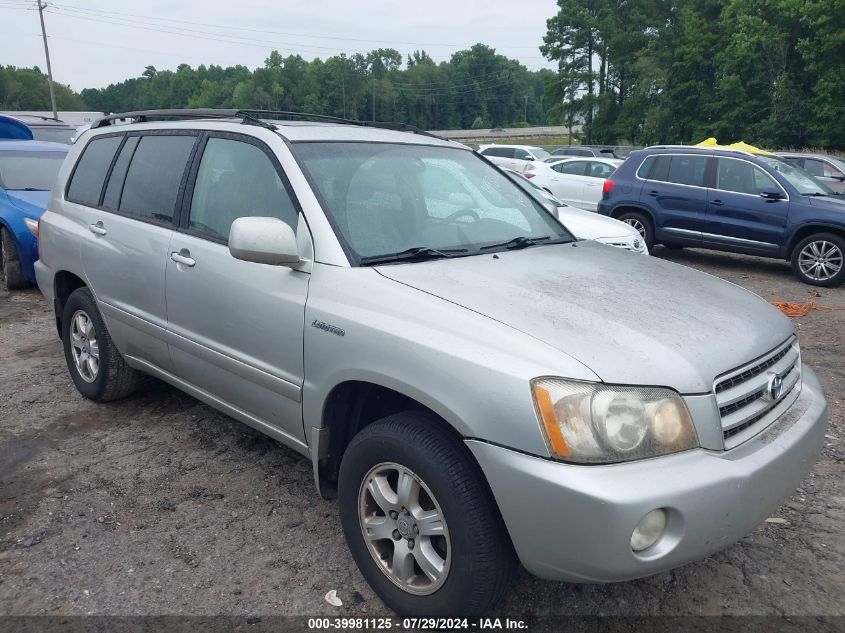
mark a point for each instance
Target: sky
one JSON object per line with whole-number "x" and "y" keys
{"x": 94, "y": 43}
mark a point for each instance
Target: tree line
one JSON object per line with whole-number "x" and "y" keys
{"x": 475, "y": 88}
{"x": 770, "y": 72}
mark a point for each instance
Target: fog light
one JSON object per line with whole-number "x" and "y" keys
{"x": 649, "y": 530}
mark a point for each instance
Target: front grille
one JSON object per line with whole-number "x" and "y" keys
{"x": 746, "y": 404}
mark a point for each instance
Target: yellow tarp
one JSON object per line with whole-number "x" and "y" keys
{"x": 712, "y": 143}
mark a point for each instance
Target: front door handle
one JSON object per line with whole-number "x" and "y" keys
{"x": 98, "y": 228}
{"x": 183, "y": 257}
{"x": 716, "y": 203}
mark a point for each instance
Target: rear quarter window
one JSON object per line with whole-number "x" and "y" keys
{"x": 86, "y": 184}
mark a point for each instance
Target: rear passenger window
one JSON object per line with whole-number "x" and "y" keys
{"x": 86, "y": 185}
{"x": 573, "y": 167}
{"x": 155, "y": 173}
{"x": 236, "y": 180}
{"x": 118, "y": 173}
{"x": 688, "y": 170}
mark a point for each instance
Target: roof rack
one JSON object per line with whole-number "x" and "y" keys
{"x": 249, "y": 117}
{"x": 38, "y": 116}
{"x": 703, "y": 149}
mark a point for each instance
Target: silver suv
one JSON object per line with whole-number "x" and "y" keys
{"x": 477, "y": 386}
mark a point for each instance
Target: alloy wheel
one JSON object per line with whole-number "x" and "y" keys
{"x": 404, "y": 528}
{"x": 84, "y": 346}
{"x": 820, "y": 260}
{"x": 639, "y": 226}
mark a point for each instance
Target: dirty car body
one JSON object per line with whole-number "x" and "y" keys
{"x": 623, "y": 415}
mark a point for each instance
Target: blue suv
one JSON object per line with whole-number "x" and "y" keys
{"x": 731, "y": 200}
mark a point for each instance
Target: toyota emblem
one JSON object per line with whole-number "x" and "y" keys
{"x": 775, "y": 387}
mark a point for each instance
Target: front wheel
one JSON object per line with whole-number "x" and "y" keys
{"x": 818, "y": 259}
{"x": 642, "y": 224}
{"x": 420, "y": 520}
{"x": 10, "y": 262}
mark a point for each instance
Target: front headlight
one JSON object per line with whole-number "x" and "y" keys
{"x": 593, "y": 423}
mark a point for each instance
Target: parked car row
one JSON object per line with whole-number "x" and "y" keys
{"x": 477, "y": 386}
{"x": 737, "y": 199}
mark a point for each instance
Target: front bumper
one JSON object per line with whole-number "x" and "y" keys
{"x": 574, "y": 523}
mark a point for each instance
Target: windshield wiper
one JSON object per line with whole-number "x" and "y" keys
{"x": 816, "y": 193}
{"x": 523, "y": 242}
{"x": 417, "y": 252}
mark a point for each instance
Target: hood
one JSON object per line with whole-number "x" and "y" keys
{"x": 591, "y": 226}
{"x": 630, "y": 319}
{"x": 32, "y": 203}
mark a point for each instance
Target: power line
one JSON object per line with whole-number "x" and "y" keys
{"x": 270, "y": 31}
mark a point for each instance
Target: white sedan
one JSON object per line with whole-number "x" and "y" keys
{"x": 585, "y": 224}
{"x": 576, "y": 181}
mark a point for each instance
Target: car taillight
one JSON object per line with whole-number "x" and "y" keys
{"x": 529, "y": 174}
{"x": 607, "y": 187}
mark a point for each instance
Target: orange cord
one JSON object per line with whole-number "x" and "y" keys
{"x": 792, "y": 309}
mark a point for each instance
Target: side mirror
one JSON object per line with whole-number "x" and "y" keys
{"x": 771, "y": 194}
{"x": 263, "y": 241}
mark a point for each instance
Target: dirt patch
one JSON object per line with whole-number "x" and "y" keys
{"x": 160, "y": 505}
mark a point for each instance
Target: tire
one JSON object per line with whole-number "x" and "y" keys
{"x": 642, "y": 223}
{"x": 10, "y": 262}
{"x": 819, "y": 259}
{"x": 110, "y": 378}
{"x": 476, "y": 571}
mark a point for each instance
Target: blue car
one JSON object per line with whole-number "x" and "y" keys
{"x": 731, "y": 200}
{"x": 28, "y": 169}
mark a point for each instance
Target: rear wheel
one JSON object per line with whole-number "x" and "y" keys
{"x": 420, "y": 520}
{"x": 642, "y": 223}
{"x": 96, "y": 367}
{"x": 13, "y": 277}
{"x": 820, "y": 259}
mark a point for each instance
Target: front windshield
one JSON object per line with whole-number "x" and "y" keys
{"x": 29, "y": 170}
{"x": 540, "y": 154}
{"x": 387, "y": 198}
{"x": 797, "y": 177}
{"x": 54, "y": 133}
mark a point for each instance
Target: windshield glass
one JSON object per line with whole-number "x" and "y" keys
{"x": 797, "y": 177}
{"x": 29, "y": 170}
{"x": 540, "y": 154}
{"x": 54, "y": 133}
{"x": 386, "y": 198}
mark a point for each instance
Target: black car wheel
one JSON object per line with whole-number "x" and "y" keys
{"x": 420, "y": 520}
{"x": 642, "y": 223}
{"x": 10, "y": 262}
{"x": 820, "y": 259}
{"x": 96, "y": 367}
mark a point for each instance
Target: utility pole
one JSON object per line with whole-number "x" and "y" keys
{"x": 41, "y": 8}
{"x": 374, "y": 97}
{"x": 525, "y": 116}
{"x": 343, "y": 84}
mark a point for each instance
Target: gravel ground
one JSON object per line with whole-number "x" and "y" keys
{"x": 159, "y": 505}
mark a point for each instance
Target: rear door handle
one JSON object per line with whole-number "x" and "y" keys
{"x": 183, "y": 257}
{"x": 653, "y": 193}
{"x": 98, "y": 228}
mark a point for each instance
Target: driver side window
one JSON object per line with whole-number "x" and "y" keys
{"x": 521, "y": 154}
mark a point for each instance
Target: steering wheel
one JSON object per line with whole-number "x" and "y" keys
{"x": 459, "y": 214}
